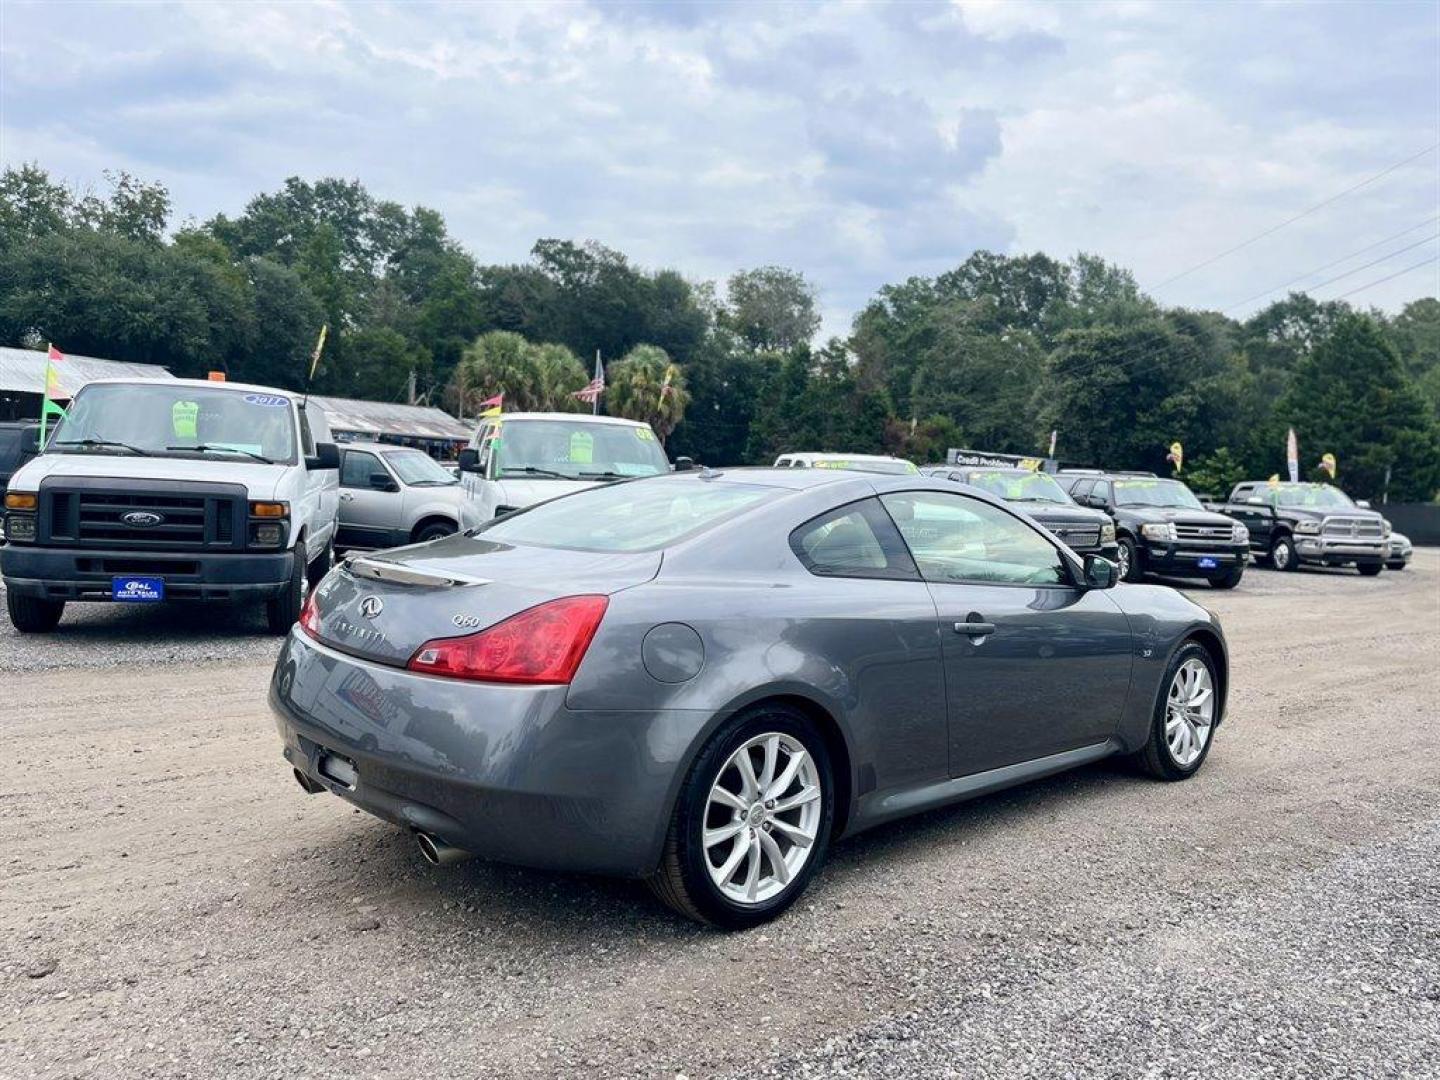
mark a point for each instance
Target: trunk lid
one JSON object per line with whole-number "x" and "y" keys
{"x": 385, "y": 606}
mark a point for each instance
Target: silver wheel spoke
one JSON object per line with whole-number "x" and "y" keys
{"x": 1199, "y": 697}
{"x": 776, "y": 860}
{"x": 787, "y": 776}
{"x": 798, "y": 837}
{"x": 747, "y": 774}
{"x": 727, "y": 871}
{"x": 726, "y": 797}
{"x": 767, "y": 770}
{"x": 752, "y": 869}
{"x": 723, "y": 833}
{"x": 800, "y": 798}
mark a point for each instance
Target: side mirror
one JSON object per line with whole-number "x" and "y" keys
{"x": 470, "y": 460}
{"x": 1100, "y": 573}
{"x": 327, "y": 456}
{"x": 684, "y": 464}
{"x": 381, "y": 482}
{"x": 1255, "y": 500}
{"x": 1364, "y": 504}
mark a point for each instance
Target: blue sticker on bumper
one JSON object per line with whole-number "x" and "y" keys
{"x": 1206, "y": 563}
{"x": 137, "y": 590}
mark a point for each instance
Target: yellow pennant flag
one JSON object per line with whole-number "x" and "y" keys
{"x": 319, "y": 345}
{"x": 1327, "y": 462}
{"x": 1176, "y": 455}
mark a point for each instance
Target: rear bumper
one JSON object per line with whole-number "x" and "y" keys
{"x": 1180, "y": 561}
{"x": 506, "y": 772}
{"x": 54, "y": 573}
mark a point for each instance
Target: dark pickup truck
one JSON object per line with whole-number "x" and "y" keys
{"x": 1084, "y": 531}
{"x": 1161, "y": 526}
{"x": 1291, "y": 524}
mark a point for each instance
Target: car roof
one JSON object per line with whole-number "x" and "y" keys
{"x": 580, "y": 418}
{"x": 836, "y": 455}
{"x": 380, "y": 446}
{"x": 208, "y": 384}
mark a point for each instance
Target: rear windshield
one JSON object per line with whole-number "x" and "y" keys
{"x": 634, "y": 516}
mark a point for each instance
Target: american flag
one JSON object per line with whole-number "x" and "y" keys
{"x": 592, "y": 391}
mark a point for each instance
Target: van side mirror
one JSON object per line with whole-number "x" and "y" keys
{"x": 1364, "y": 504}
{"x": 470, "y": 460}
{"x": 327, "y": 456}
{"x": 1100, "y": 573}
{"x": 684, "y": 464}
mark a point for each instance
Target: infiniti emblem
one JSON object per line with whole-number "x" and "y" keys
{"x": 142, "y": 519}
{"x": 371, "y": 606}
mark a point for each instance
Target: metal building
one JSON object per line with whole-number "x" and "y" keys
{"x": 22, "y": 378}
{"x": 430, "y": 429}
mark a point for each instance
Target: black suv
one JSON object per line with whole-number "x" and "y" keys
{"x": 1082, "y": 530}
{"x": 1292, "y": 524}
{"x": 1162, "y": 528}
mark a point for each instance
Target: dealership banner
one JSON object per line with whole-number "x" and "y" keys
{"x": 1292, "y": 456}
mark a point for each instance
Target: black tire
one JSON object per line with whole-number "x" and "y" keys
{"x": 435, "y": 530}
{"x": 1282, "y": 553}
{"x": 1394, "y": 566}
{"x": 1369, "y": 569}
{"x": 683, "y": 880}
{"x": 281, "y": 611}
{"x": 1128, "y": 557}
{"x": 1154, "y": 757}
{"x": 33, "y": 614}
{"x": 1229, "y": 581}
{"x": 320, "y": 565}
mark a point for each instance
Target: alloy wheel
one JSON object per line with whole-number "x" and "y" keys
{"x": 1189, "y": 712}
{"x": 1281, "y": 556}
{"x": 1122, "y": 560}
{"x": 761, "y": 818}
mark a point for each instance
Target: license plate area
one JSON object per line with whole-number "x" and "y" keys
{"x": 337, "y": 770}
{"x": 1206, "y": 563}
{"x": 132, "y": 589}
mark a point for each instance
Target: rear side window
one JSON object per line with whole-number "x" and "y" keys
{"x": 855, "y": 540}
{"x": 629, "y": 516}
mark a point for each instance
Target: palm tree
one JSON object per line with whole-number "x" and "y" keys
{"x": 532, "y": 377}
{"x": 646, "y": 386}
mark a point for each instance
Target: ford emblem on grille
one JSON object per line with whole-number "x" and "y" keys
{"x": 371, "y": 606}
{"x": 142, "y": 519}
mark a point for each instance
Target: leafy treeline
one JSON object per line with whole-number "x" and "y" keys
{"x": 994, "y": 354}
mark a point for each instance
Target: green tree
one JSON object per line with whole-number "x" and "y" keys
{"x": 771, "y": 309}
{"x": 1351, "y": 397}
{"x": 1216, "y": 473}
{"x": 1416, "y": 335}
{"x": 646, "y": 385}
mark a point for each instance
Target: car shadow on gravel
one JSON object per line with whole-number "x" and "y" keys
{"x": 128, "y": 625}
{"x": 553, "y": 911}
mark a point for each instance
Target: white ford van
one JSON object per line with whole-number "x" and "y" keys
{"x": 518, "y": 459}
{"x": 159, "y": 490}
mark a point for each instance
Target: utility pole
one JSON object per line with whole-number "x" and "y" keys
{"x": 410, "y": 388}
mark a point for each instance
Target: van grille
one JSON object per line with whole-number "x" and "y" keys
{"x": 143, "y": 515}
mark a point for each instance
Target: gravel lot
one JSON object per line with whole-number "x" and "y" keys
{"x": 171, "y": 905}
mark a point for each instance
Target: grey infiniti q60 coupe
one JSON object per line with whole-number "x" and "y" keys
{"x": 703, "y": 679}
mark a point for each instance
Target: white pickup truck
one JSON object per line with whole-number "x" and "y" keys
{"x": 518, "y": 459}
{"x": 159, "y": 490}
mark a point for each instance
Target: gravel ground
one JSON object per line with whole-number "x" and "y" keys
{"x": 171, "y": 905}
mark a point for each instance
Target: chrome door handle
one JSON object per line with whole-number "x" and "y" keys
{"x": 975, "y": 629}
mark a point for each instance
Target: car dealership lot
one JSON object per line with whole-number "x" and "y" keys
{"x": 172, "y": 904}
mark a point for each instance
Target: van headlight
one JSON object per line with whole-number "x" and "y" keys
{"x": 1107, "y": 533}
{"x": 1310, "y": 526}
{"x": 1239, "y": 534}
{"x": 1164, "y": 530}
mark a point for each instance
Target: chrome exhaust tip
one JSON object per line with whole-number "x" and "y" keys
{"x": 312, "y": 787}
{"x": 437, "y": 852}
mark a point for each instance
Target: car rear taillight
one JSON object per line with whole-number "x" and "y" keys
{"x": 310, "y": 617}
{"x": 543, "y": 644}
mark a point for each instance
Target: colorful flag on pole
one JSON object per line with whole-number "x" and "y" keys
{"x": 1176, "y": 456}
{"x": 53, "y": 390}
{"x": 319, "y": 345}
{"x": 1292, "y": 456}
{"x": 592, "y": 390}
{"x": 1053, "y": 436}
{"x": 491, "y": 406}
{"x": 1327, "y": 462}
{"x": 665, "y": 387}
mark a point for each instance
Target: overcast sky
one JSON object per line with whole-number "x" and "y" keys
{"x": 858, "y": 143}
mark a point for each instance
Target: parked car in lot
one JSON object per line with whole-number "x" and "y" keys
{"x": 1085, "y": 531}
{"x": 159, "y": 490}
{"x": 393, "y": 495}
{"x": 19, "y": 442}
{"x": 519, "y": 459}
{"x": 1162, "y": 528}
{"x": 876, "y": 463}
{"x": 1290, "y": 524}
{"x": 704, "y": 678}
{"x": 1400, "y": 551}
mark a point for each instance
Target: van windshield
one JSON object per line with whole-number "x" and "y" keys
{"x": 155, "y": 419}
{"x": 574, "y": 450}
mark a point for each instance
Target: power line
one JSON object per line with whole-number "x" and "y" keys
{"x": 1373, "y": 262}
{"x": 1291, "y": 220}
{"x": 1389, "y": 277}
{"x": 1327, "y": 266}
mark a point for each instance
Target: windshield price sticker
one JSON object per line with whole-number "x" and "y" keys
{"x": 269, "y": 401}
{"x": 582, "y": 448}
{"x": 644, "y": 434}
